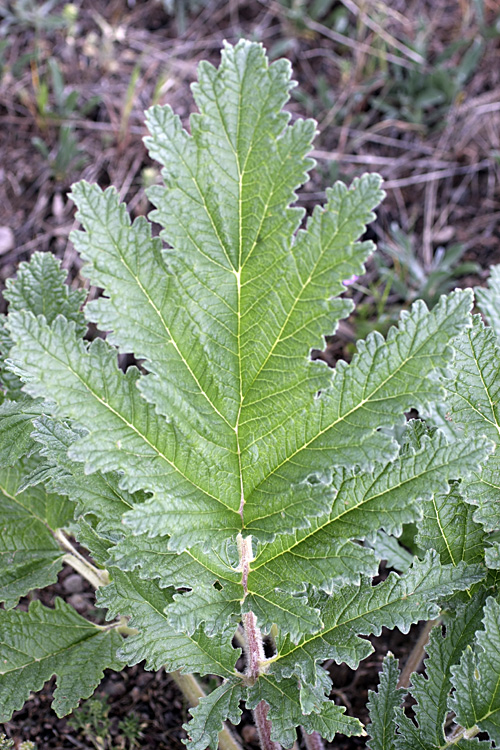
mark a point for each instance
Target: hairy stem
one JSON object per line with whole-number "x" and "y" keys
{"x": 77, "y": 561}
{"x": 313, "y": 741}
{"x": 264, "y": 727}
{"x": 254, "y": 650}
{"x": 192, "y": 691}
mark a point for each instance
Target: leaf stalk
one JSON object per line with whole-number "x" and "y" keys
{"x": 77, "y": 561}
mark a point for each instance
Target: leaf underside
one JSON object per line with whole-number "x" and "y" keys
{"x": 227, "y": 428}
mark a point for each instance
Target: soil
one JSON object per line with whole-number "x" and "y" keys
{"x": 441, "y": 170}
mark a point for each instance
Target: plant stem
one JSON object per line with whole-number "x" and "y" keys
{"x": 192, "y": 691}
{"x": 77, "y": 561}
{"x": 191, "y": 688}
{"x": 264, "y": 727}
{"x": 415, "y": 658}
{"x": 254, "y": 646}
{"x": 461, "y": 733}
{"x": 254, "y": 650}
{"x": 313, "y": 741}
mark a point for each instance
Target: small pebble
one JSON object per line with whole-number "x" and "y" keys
{"x": 6, "y": 240}
{"x": 78, "y": 602}
{"x": 73, "y": 583}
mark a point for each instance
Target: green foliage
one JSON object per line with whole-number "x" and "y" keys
{"x": 474, "y": 405}
{"x": 36, "y": 644}
{"x": 488, "y": 300}
{"x": 408, "y": 276}
{"x": 476, "y": 700}
{"x": 382, "y": 706}
{"x": 54, "y": 107}
{"x": 30, "y": 557}
{"x": 210, "y": 714}
{"x": 32, "y": 15}
{"x": 423, "y": 93}
{"x": 92, "y": 719}
{"x": 227, "y": 479}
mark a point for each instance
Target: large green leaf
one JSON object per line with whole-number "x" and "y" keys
{"x": 37, "y": 644}
{"x": 228, "y": 315}
{"x": 226, "y": 430}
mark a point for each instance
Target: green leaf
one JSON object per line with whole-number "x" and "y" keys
{"x": 198, "y": 314}
{"x": 382, "y": 706}
{"x": 475, "y": 389}
{"x": 9, "y": 383}
{"x": 227, "y": 430}
{"x": 322, "y": 556}
{"x": 37, "y": 644}
{"x": 40, "y": 288}
{"x": 30, "y": 557}
{"x": 93, "y": 541}
{"x": 476, "y": 700}
{"x": 215, "y": 608}
{"x": 286, "y": 713}
{"x": 475, "y": 405}
{"x": 16, "y": 426}
{"x": 157, "y": 641}
{"x": 388, "y": 548}
{"x": 488, "y": 300}
{"x": 432, "y": 690}
{"x": 492, "y": 555}
{"x": 448, "y": 527}
{"x": 98, "y": 494}
{"x": 210, "y": 715}
{"x": 356, "y": 610}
